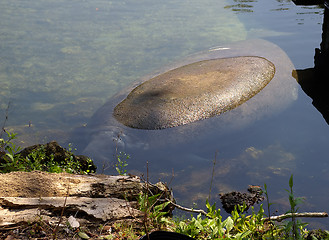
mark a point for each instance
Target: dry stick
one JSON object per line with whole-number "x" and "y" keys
{"x": 115, "y": 155}
{"x": 172, "y": 178}
{"x": 187, "y": 209}
{"x": 62, "y": 213}
{"x": 212, "y": 175}
{"x": 147, "y": 190}
{"x": 273, "y": 218}
{"x": 5, "y": 121}
{"x": 281, "y": 217}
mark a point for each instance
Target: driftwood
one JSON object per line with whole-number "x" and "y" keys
{"x": 278, "y": 218}
{"x": 97, "y": 198}
{"x": 188, "y": 209}
{"x": 281, "y": 217}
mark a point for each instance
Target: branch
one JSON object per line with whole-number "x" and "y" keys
{"x": 187, "y": 209}
{"x": 290, "y": 215}
{"x": 273, "y": 218}
{"x": 5, "y": 121}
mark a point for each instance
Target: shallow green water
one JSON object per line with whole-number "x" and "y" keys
{"x": 61, "y": 60}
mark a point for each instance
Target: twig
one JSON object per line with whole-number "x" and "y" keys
{"x": 62, "y": 213}
{"x": 147, "y": 203}
{"x": 172, "y": 177}
{"x": 187, "y": 209}
{"x": 5, "y": 121}
{"x": 213, "y": 173}
{"x": 290, "y": 215}
{"x": 273, "y": 218}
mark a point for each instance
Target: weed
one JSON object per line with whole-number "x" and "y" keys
{"x": 154, "y": 210}
{"x": 212, "y": 174}
{"x": 240, "y": 225}
{"x": 121, "y": 163}
{"x": 9, "y": 159}
{"x": 294, "y": 228}
{"x": 38, "y": 159}
{"x": 122, "y": 231}
{"x": 268, "y": 209}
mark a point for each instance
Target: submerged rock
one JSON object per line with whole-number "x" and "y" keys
{"x": 233, "y": 199}
{"x": 194, "y": 92}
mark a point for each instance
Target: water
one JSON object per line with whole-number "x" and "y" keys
{"x": 60, "y": 61}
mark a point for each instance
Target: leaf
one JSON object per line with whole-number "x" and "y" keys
{"x": 153, "y": 199}
{"x": 243, "y": 234}
{"x": 10, "y": 156}
{"x": 83, "y": 235}
{"x": 207, "y": 204}
{"x": 291, "y": 181}
{"x": 198, "y": 225}
{"x": 228, "y": 224}
{"x": 161, "y": 206}
{"x": 299, "y": 200}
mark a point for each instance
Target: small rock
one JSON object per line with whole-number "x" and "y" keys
{"x": 232, "y": 199}
{"x": 73, "y": 222}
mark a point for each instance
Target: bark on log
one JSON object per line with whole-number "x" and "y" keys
{"x": 25, "y": 196}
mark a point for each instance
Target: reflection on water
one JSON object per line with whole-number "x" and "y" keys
{"x": 252, "y": 6}
{"x": 314, "y": 81}
{"x": 241, "y": 6}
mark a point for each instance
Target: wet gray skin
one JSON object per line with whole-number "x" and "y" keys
{"x": 194, "y": 92}
{"x": 262, "y": 96}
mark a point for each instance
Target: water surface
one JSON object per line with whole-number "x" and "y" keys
{"x": 60, "y": 61}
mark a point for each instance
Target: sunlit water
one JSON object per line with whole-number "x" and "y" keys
{"x": 60, "y": 61}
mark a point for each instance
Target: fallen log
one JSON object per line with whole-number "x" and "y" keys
{"x": 27, "y": 196}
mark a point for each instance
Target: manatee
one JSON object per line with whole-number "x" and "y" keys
{"x": 264, "y": 95}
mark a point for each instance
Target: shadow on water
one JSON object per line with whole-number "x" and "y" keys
{"x": 314, "y": 81}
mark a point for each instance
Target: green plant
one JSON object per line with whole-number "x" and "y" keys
{"x": 242, "y": 226}
{"x": 236, "y": 226}
{"x": 9, "y": 159}
{"x": 269, "y": 204}
{"x": 154, "y": 211}
{"x": 294, "y": 227}
{"x": 38, "y": 160}
{"x": 121, "y": 163}
{"x": 122, "y": 231}
{"x": 71, "y": 165}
